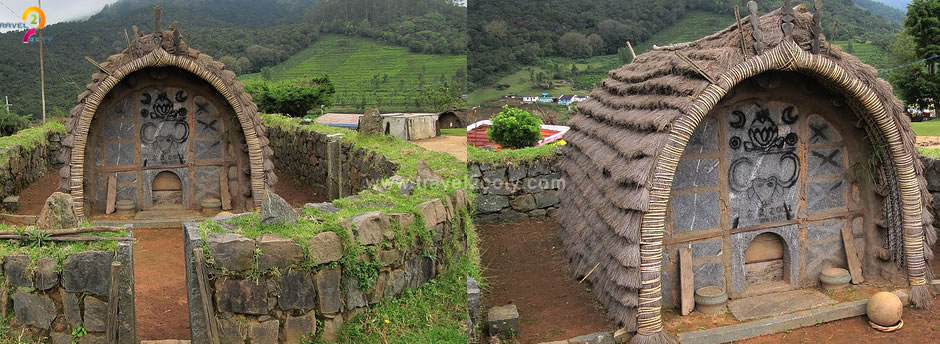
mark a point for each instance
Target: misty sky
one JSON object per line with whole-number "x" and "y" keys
{"x": 56, "y": 10}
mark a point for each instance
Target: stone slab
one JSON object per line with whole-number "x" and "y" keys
{"x": 775, "y": 304}
{"x": 782, "y": 323}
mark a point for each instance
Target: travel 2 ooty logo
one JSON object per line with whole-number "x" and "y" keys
{"x": 33, "y": 19}
{"x": 36, "y": 19}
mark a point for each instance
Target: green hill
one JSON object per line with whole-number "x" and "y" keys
{"x": 365, "y": 69}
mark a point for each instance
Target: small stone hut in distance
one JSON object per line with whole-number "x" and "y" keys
{"x": 169, "y": 126}
{"x": 761, "y": 143}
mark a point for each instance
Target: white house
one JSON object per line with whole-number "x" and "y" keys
{"x": 531, "y": 99}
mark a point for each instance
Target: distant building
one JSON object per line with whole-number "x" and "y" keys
{"x": 410, "y": 126}
{"x": 343, "y": 120}
{"x": 577, "y": 99}
{"x": 546, "y": 98}
{"x": 530, "y": 99}
{"x": 477, "y": 136}
{"x": 565, "y": 99}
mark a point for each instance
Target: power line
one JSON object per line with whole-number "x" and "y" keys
{"x": 911, "y": 64}
{"x": 8, "y": 8}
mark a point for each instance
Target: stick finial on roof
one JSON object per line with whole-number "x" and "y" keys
{"x": 157, "y": 14}
{"x": 816, "y": 29}
{"x": 754, "y": 18}
{"x": 786, "y": 21}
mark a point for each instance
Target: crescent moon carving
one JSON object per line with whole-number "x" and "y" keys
{"x": 788, "y": 117}
{"x": 739, "y": 120}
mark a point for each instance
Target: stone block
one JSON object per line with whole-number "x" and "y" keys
{"x": 326, "y": 207}
{"x": 404, "y": 220}
{"x": 96, "y": 314}
{"x": 370, "y": 227}
{"x": 93, "y": 338}
{"x": 57, "y": 213}
{"x": 61, "y": 338}
{"x": 265, "y": 332}
{"x": 495, "y": 175}
{"x": 87, "y": 272}
{"x": 378, "y": 290}
{"x": 696, "y": 173}
{"x": 331, "y": 327}
{"x": 241, "y": 296}
{"x": 503, "y": 321}
{"x": 516, "y": 172}
{"x": 700, "y": 211}
{"x": 46, "y": 277}
{"x": 706, "y": 248}
{"x": 389, "y": 257}
{"x": 474, "y": 171}
{"x": 396, "y": 283}
{"x": 14, "y": 269}
{"x": 709, "y": 274}
{"x": 298, "y": 329}
{"x": 474, "y": 304}
{"x": 504, "y": 216}
{"x": 546, "y": 199}
{"x": 278, "y": 252}
{"x": 71, "y": 308}
{"x": 232, "y": 252}
{"x": 33, "y": 310}
{"x": 537, "y": 169}
{"x": 275, "y": 210}
{"x": 432, "y": 212}
{"x": 491, "y": 203}
{"x": 297, "y": 290}
{"x": 232, "y": 331}
{"x": 824, "y": 162}
{"x": 354, "y": 296}
{"x": 593, "y": 338}
{"x": 329, "y": 295}
{"x": 825, "y": 195}
{"x": 11, "y": 203}
{"x": 326, "y": 247}
{"x": 538, "y": 213}
{"x": 524, "y": 203}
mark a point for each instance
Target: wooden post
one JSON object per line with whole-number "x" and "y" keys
{"x": 632, "y": 53}
{"x": 851, "y": 256}
{"x": 225, "y": 193}
{"x": 42, "y": 72}
{"x": 113, "y": 298}
{"x": 200, "y": 261}
{"x": 112, "y": 194}
{"x": 686, "y": 280}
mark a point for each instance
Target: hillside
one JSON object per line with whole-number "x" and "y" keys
{"x": 361, "y": 68}
{"x": 506, "y": 36}
{"x": 899, "y": 4}
{"x": 879, "y": 9}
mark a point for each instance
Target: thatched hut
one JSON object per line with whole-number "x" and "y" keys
{"x": 761, "y": 143}
{"x": 162, "y": 123}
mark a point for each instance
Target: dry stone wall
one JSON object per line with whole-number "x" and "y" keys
{"x": 50, "y": 301}
{"x": 329, "y": 166}
{"x": 512, "y": 192}
{"x": 932, "y": 175}
{"x": 291, "y": 298}
{"x": 30, "y": 159}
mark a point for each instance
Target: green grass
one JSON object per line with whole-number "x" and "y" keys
{"x": 868, "y": 53}
{"x": 454, "y": 132}
{"x": 27, "y": 139}
{"x": 511, "y": 156}
{"x": 926, "y": 128}
{"x": 352, "y": 62}
{"x": 931, "y": 152}
{"x": 520, "y": 86}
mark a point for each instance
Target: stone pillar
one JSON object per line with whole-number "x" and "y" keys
{"x": 199, "y": 331}
{"x": 334, "y": 169}
{"x": 474, "y": 309}
{"x": 127, "y": 315}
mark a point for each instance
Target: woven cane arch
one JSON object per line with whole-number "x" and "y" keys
{"x": 160, "y": 58}
{"x": 787, "y": 56}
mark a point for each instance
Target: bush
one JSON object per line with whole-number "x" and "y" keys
{"x": 515, "y": 128}
{"x": 10, "y": 123}
{"x": 291, "y": 98}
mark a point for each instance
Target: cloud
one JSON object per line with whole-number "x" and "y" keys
{"x": 11, "y": 11}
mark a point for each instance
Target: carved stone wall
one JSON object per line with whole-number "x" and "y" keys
{"x": 164, "y": 119}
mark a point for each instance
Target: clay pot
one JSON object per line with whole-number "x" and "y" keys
{"x": 834, "y": 278}
{"x": 125, "y": 207}
{"x": 885, "y": 309}
{"x": 710, "y": 300}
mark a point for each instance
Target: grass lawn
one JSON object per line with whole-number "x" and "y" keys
{"x": 454, "y": 132}
{"x": 519, "y": 85}
{"x": 352, "y": 62}
{"x": 868, "y": 53}
{"x": 927, "y": 128}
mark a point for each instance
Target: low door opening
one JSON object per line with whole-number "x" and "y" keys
{"x": 765, "y": 262}
{"x": 167, "y": 189}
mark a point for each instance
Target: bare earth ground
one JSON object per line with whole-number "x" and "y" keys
{"x": 525, "y": 265}
{"x": 34, "y": 197}
{"x": 454, "y": 145}
{"x": 928, "y": 141}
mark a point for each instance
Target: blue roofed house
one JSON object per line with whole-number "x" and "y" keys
{"x": 546, "y": 98}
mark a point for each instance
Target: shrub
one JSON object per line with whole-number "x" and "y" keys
{"x": 291, "y": 98}
{"x": 515, "y": 128}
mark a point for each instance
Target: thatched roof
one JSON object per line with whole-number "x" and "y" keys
{"x": 161, "y": 49}
{"x": 619, "y": 139}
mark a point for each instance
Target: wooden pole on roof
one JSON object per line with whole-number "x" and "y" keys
{"x": 632, "y": 53}
{"x": 42, "y": 72}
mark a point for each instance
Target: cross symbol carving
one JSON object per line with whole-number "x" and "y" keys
{"x": 828, "y": 160}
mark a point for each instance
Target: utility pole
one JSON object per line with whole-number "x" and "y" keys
{"x": 42, "y": 73}
{"x": 7, "y": 103}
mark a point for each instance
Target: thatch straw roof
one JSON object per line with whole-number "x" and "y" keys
{"x": 161, "y": 49}
{"x": 625, "y": 137}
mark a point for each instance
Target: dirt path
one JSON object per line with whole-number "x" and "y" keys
{"x": 295, "y": 193}
{"x": 34, "y": 196}
{"x": 160, "y": 284}
{"x": 454, "y": 145}
{"x": 928, "y": 142}
{"x": 525, "y": 265}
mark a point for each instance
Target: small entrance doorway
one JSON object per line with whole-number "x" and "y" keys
{"x": 167, "y": 189}
{"x": 764, "y": 262}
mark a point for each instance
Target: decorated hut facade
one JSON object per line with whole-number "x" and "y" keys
{"x": 165, "y": 126}
{"x": 763, "y": 149}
